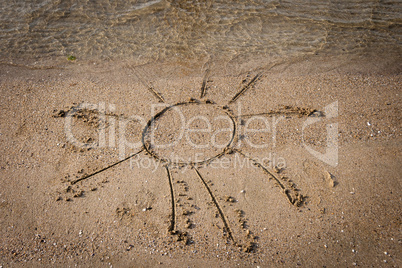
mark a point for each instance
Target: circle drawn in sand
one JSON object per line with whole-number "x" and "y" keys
{"x": 190, "y": 133}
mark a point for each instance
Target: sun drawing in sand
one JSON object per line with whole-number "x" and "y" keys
{"x": 160, "y": 126}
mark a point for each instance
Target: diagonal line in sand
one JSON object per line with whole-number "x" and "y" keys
{"x": 105, "y": 168}
{"x": 252, "y": 82}
{"x": 225, "y": 222}
{"x": 204, "y": 84}
{"x": 245, "y": 88}
{"x": 293, "y": 201}
{"x": 148, "y": 86}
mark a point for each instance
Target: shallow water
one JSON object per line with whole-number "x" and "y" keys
{"x": 233, "y": 31}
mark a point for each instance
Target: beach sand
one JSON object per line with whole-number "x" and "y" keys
{"x": 345, "y": 212}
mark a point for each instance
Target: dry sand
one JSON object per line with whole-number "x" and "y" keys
{"x": 343, "y": 215}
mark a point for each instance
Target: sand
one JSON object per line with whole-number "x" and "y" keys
{"x": 89, "y": 201}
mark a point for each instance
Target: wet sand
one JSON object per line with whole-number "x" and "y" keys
{"x": 273, "y": 206}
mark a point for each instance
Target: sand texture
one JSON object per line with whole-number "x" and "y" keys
{"x": 110, "y": 196}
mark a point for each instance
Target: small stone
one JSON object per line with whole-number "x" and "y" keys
{"x": 329, "y": 178}
{"x": 186, "y": 212}
{"x": 59, "y": 113}
{"x": 68, "y": 189}
{"x": 79, "y": 194}
{"x": 230, "y": 199}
